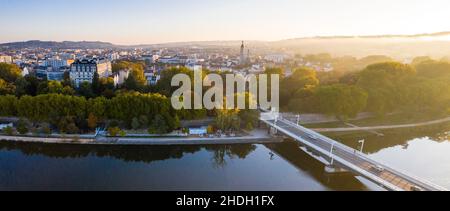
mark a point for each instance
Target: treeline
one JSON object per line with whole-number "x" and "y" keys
{"x": 381, "y": 88}
{"x": 12, "y": 83}
{"x": 133, "y": 105}
{"x": 66, "y": 111}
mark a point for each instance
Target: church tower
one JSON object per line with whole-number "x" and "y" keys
{"x": 242, "y": 55}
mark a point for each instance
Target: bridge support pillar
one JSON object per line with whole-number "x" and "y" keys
{"x": 332, "y": 169}
{"x": 273, "y": 131}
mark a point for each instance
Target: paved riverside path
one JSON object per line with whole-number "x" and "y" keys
{"x": 351, "y": 159}
{"x": 255, "y": 137}
{"x": 385, "y": 127}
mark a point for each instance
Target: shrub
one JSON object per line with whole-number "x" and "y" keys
{"x": 9, "y": 131}
{"x": 135, "y": 123}
{"x": 22, "y": 127}
{"x": 114, "y": 131}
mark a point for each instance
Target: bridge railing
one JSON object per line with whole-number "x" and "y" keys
{"x": 417, "y": 180}
{"x": 350, "y": 165}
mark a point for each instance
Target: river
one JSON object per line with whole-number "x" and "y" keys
{"x": 26, "y": 166}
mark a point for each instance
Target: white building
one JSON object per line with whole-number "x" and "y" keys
{"x": 152, "y": 78}
{"x": 84, "y": 70}
{"x": 277, "y": 58}
{"x": 6, "y": 59}
{"x": 150, "y": 58}
{"x": 120, "y": 77}
{"x": 25, "y": 71}
{"x": 114, "y": 56}
{"x": 56, "y": 64}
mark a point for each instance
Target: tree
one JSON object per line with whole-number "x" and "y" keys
{"x": 342, "y": 101}
{"x": 228, "y": 119}
{"x": 114, "y": 131}
{"x": 9, "y": 72}
{"x": 132, "y": 84}
{"x": 301, "y": 79}
{"x": 9, "y": 131}
{"x": 66, "y": 79}
{"x": 433, "y": 69}
{"x": 136, "y": 68}
{"x": 210, "y": 129}
{"x": 67, "y": 125}
{"x": 96, "y": 86}
{"x": 85, "y": 90}
{"x": 143, "y": 120}
{"x": 67, "y": 90}
{"x": 386, "y": 84}
{"x": 21, "y": 86}
{"x": 72, "y": 129}
{"x": 8, "y": 105}
{"x": 22, "y": 127}
{"x": 135, "y": 123}
{"x": 92, "y": 121}
{"x": 45, "y": 129}
{"x": 275, "y": 71}
{"x": 159, "y": 125}
{"x": 6, "y": 88}
{"x": 27, "y": 85}
{"x": 164, "y": 84}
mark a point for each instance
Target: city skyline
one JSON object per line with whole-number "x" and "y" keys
{"x": 151, "y": 22}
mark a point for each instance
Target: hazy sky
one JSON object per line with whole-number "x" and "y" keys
{"x": 156, "y": 21}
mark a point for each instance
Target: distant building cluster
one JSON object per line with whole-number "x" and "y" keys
{"x": 82, "y": 64}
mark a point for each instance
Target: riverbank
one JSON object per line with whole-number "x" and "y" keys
{"x": 254, "y": 137}
{"x": 383, "y": 127}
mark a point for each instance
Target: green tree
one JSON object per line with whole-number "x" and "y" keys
{"x": 386, "y": 84}
{"x": 8, "y": 105}
{"x": 143, "y": 121}
{"x": 159, "y": 125}
{"x": 342, "y": 101}
{"x": 96, "y": 86}
{"x": 45, "y": 129}
{"x": 9, "y": 72}
{"x": 92, "y": 121}
{"x": 114, "y": 131}
{"x": 6, "y": 88}
{"x": 228, "y": 119}
{"x": 9, "y": 131}
{"x": 85, "y": 90}
{"x": 22, "y": 127}
{"x": 135, "y": 123}
{"x": 302, "y": 79}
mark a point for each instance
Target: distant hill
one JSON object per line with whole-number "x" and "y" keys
{"x": 58, "y": 45}
{"x": 436, "y": 45}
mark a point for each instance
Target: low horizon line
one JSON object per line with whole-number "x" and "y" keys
{"x": 435, "y": 34}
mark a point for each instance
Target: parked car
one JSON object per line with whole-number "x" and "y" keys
{"x": 378, "y": 168}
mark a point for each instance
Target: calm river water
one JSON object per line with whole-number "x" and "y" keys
{"x": 25, "y": 166}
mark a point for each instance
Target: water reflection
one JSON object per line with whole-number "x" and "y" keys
{"x": 30, "y": 166}
{"x": 291, "y": 152}
{"x": 146, "y": 154}
{"x": 374, "y": 144}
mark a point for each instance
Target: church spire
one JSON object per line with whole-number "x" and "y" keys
{"x": 242, "y": 56}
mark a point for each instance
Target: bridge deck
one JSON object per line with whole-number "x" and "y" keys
{"x": 352, "y": 159}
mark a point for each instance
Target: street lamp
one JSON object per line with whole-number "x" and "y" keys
{"x": 331, "y": 153}
{"x": 362, "y": 144}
